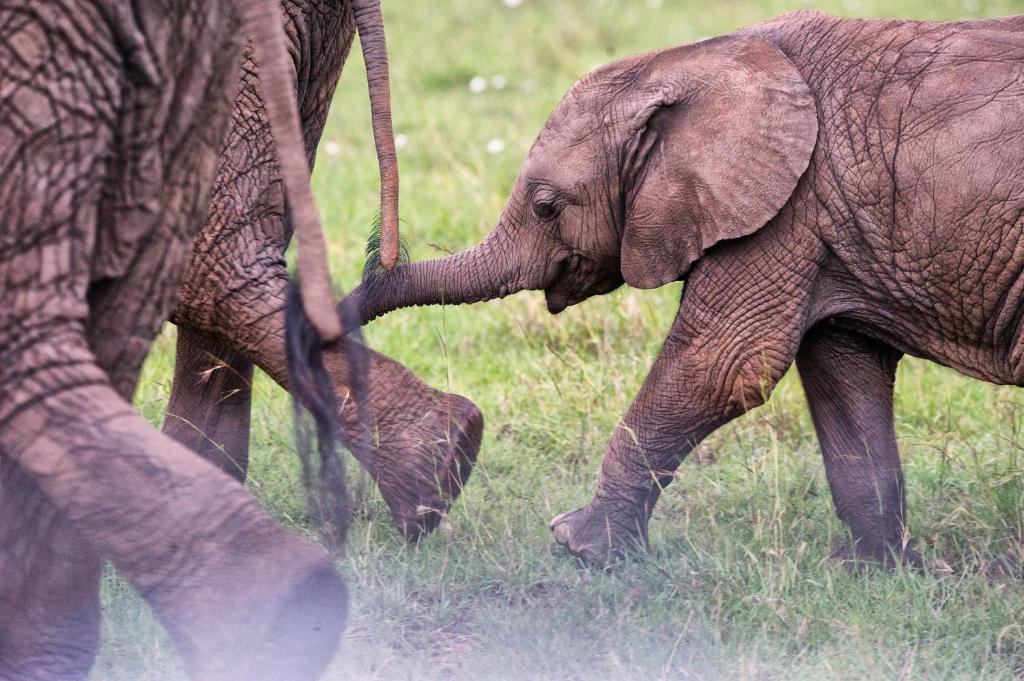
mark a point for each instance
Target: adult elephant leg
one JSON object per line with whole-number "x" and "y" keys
{"x": 241, "y": 596}
{"x": 731, "y": 341}
{"x": 49, "y": 587}
{"x": 849, "y": 382}
{"x": 426, "y": 440}
{"x": 211, "y": 400}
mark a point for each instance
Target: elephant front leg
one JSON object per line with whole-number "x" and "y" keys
{"x": 849, "y": 382}
{"x": 211, "y": 400}
{"x": 669, "y": 416}
{"x": 241, "y": 596}
{"x": 731, "y": 341}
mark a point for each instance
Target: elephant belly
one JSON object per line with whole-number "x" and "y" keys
{"x": 921, "y": 168}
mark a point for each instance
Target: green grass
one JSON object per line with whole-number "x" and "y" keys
{"x": 737, "y": 585}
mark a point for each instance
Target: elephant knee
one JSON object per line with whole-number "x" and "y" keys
{"x": 750, "y": 384}
{"x": 39, "y": 369}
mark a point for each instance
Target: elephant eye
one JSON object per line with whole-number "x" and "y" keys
{"x": 545, "y": 210}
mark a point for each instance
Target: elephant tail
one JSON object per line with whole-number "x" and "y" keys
{"x": 370, "y": 25}
{"x": 311, "y": 321}
{"x": 323, "y": 468}
{"x": 262, "y": 23}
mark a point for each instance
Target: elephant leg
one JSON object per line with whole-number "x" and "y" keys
{"x": 849, "y": 382}
{"x": 211, "y": 400}
{"x": 240, "y": 596}
{"x": 427, "y": 440}
{"x": 49, "y": 587}
{"x": 731, "y": 341}
{"x": 92, "y": 243}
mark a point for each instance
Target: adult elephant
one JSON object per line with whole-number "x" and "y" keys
{"x": 836, "y": 192}
{"x": 230, "y": 308}
{"x": 112, "y": 116}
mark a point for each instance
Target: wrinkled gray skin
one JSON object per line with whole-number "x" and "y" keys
{"x": 112, "y": 116}
{"x": 834, "y": 192}
{"x": 230, "y": 308}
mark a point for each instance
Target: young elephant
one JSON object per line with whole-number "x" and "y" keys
{"x": 112, "y": 115}
{"x": 835, "y": 192}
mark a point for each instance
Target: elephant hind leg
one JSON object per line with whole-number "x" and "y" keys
{"x": 211, "y": 400}
{"x": 849, "y": 383}
{"x": 49, "y": 587}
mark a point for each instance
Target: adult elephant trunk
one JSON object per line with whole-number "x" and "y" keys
{"x": 494, "y": 268}
{"x": 370, "y": 25}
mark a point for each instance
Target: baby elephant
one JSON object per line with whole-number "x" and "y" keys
{"x": 836, "y": 192}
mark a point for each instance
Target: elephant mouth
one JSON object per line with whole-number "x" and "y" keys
{"x": 556, "y": 293}
{"x": 576, "y": 278}
{"x": 556, "y": 302}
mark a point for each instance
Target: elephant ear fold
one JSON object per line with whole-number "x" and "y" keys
{"x": 724, "y": 131}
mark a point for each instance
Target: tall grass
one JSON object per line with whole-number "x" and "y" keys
{"x": 738, "y": 585}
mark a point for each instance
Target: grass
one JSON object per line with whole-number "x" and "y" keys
{"x": 737, "y": 585}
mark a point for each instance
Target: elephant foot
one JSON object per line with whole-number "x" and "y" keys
{"x": 423, "y": 478}
{"x": 273, "y": 616}
{"x": 600, "y": 536}
{"x": 861, "y": 557}
{"x": 305, "y": 630}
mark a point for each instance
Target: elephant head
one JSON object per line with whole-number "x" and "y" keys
{"x": 645, "y": 164}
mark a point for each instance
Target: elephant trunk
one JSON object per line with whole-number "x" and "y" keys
{"x": 487, "y": 271}
{"x": 370, "y": 24}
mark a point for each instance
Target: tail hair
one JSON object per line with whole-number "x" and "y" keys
{"x": 373, "y": 267}
{"x": 317, "y": 413}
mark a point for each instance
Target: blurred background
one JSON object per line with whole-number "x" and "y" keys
{"x": 738, "y": 584}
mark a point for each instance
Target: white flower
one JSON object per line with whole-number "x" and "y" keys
{"x": 496, "y": 145}
{"x": 332, "y": 148}
{"x": 401, "y": 139}
{"x": 498, "y": 81}
{"x": 513, "y": 3}
{"x": 477, "y": 84}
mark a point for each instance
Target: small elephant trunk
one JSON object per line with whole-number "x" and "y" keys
{"x": 370, "y": 25}
{"x": 487, "y": 271}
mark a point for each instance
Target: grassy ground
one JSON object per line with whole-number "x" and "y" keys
{"x": 738, "y": 585}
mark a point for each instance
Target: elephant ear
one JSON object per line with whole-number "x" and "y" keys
{"x": 724, "y": 131}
